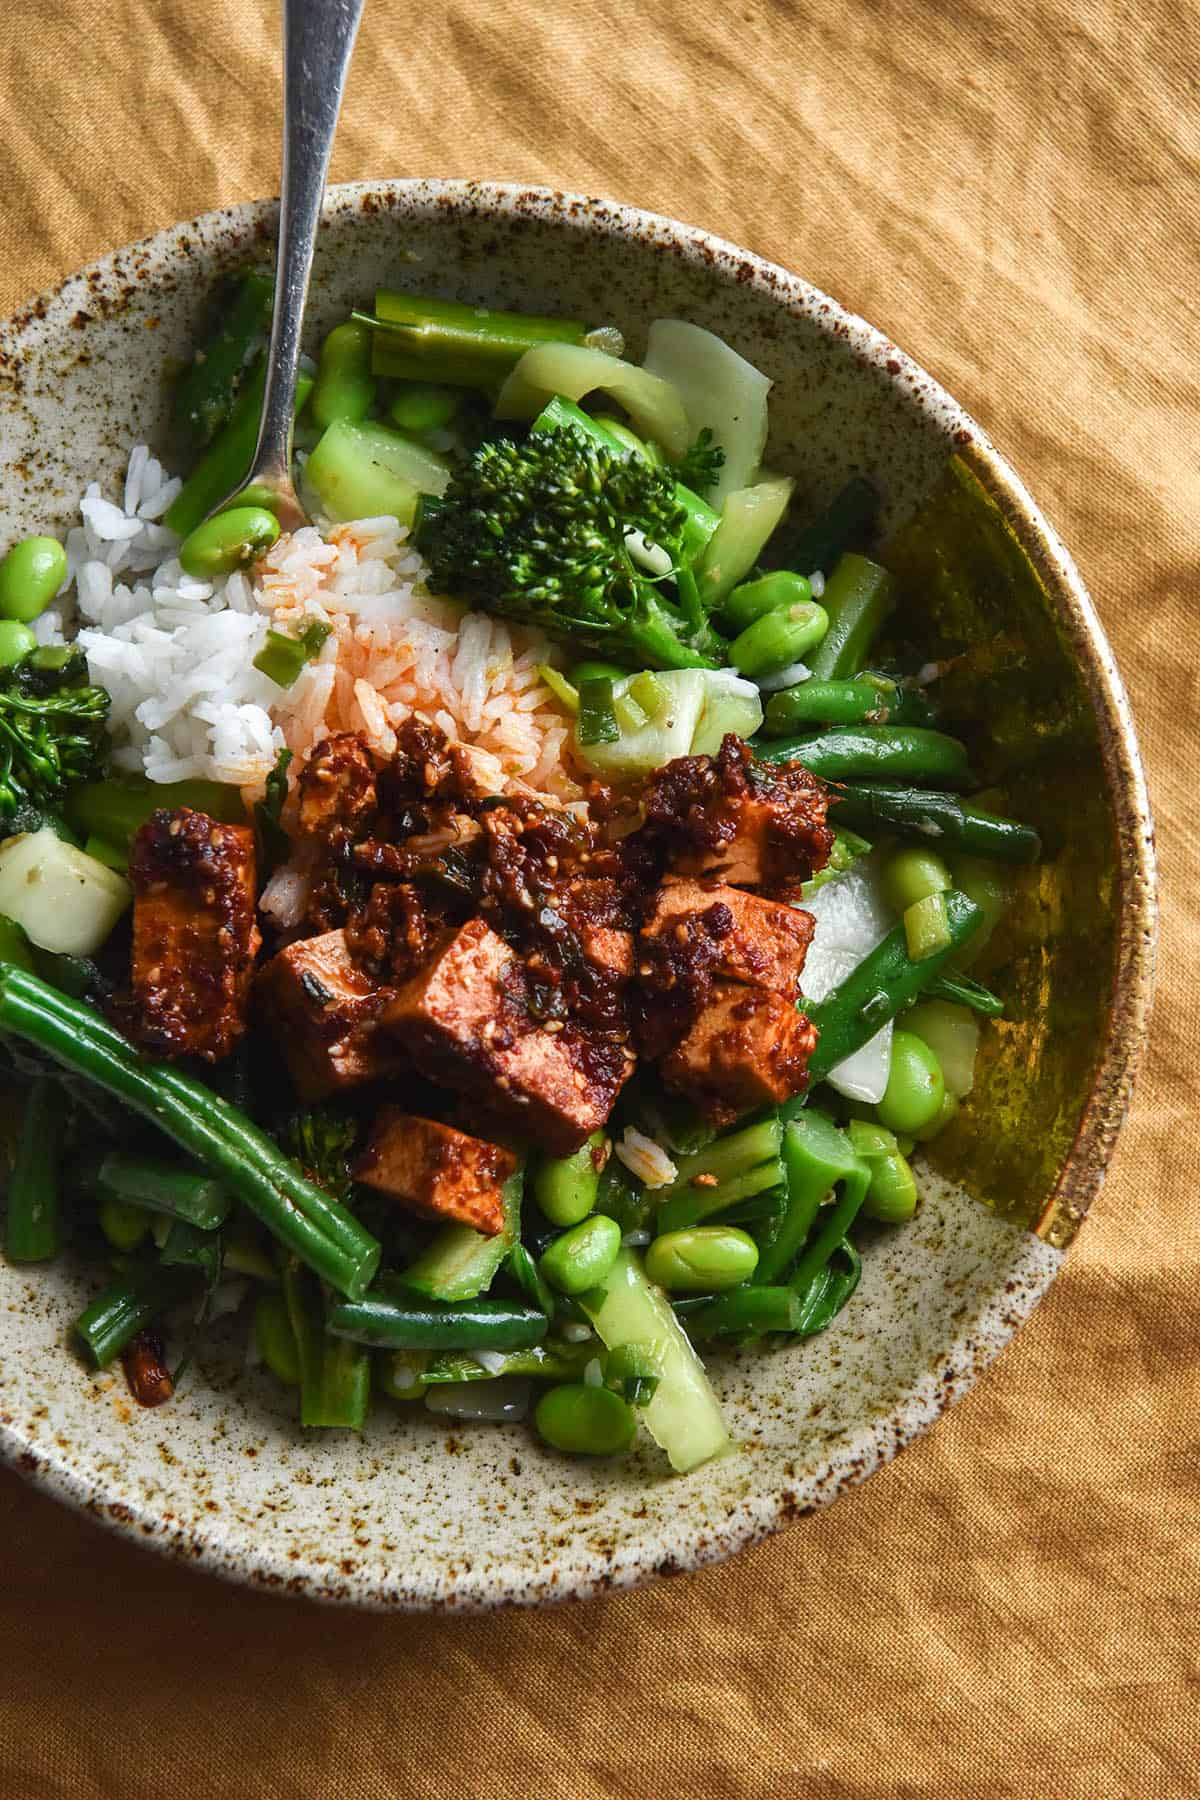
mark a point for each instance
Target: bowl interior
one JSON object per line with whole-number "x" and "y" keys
{"x": 420, "y": 1511}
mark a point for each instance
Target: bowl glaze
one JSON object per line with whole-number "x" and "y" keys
{"x": 420, "y": 1512}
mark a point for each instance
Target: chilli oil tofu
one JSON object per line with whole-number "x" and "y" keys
{"x": 764, "y": 942}
{"x": 748, "y": 1047}
{"x": 324, "y": 1014}
{"x": 195, "y": 936}
{"x": 437, "y": 1171}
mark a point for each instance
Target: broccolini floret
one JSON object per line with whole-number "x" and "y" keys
{"x": 545, "y": 532}
{"x": 321, "y": 1140}
{"x": 52, "y": 734}
{"x": 701, "y": 464}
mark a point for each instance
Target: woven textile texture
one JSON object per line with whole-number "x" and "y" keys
{"x": 1012, "y": 1609}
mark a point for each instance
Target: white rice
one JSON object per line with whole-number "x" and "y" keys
{"x": 177, "y": 654}
{"x": 645, "y": 1159}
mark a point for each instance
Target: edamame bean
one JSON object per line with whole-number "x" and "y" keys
{"x": 275, "y": 1338}
{"x": 124, "y": 1225}
{"x": 345, "y": 386}
{"x": 779, "y": 638}
{"x": 565, "y": 1187}
{"x": 703, "y": 1260}
{"x": 891, "y": 1195}
{"x": 585, "y": 1421}
{"x": 423, "y": 406}
{"x": 752, "y": 599}
{"x": 915, "y": 1088}
{"x": 945, "y": 1115}
{"x": 16, "y": 641}
{"x": 30, "y": 576}
{"x": 582, "y": 1257}
{"x": 912, "y": 875}
{"x": 228, "y": 541}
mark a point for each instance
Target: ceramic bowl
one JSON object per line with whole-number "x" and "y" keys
{"x": 419, "y": 1512}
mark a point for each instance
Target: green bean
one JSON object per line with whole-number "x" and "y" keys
{"x": 844, "y": 525}
{"x": 163, "y": 1187}
{"x": 857, "y": 598}
{"x": 915, "y": 1088}
{"x": 585, "y": 1421}
{"x": 32, "y": 1232}
{"x": 422, "y": 406}
{"x": 335, "y": 1376}
{"x": 565, "y": 1187}
{"x": 134, "y": 1300}
{"x": 228, "y": 541}
{"x": 204, "y": 395}
{"x": 16, "y": 641}
{"x": 868, "y": 699}
{"x": 702, "y": 1260}
{"x": 891, "y": 1191}
{"x": 422, "y": 339}
{"x": 124, "y": 1224}
{"x": 30, "y": 576}
{"x": 345, "y": 386}
{"x": 227, "y": 459}
{"x": 579, "y": 1260}
{"x": 911, "y": 875}
{"x": 301, "y": 1215}
{"x": 883, "y": 984}
{"x": 959, "y": 990}
{"x": 878, "y": 752}
{"x": 779, "y": 638}
{"x": 392, "y": 1318}
{"x": 275, "y": 1338}
{"x": 751, "y": 600}
{"x": 745, "y": 1312}
{"x": 942, "y": 818}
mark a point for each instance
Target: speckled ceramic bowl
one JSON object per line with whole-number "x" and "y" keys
{"x": 417, "y": 1513}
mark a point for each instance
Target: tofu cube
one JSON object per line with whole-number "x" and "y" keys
{"x": 748, "y": 858}
{"x": 749, "y": 1047}
{"x": 436, "y": 1171}
{"x": 459, "y": 1021}
{"x": 765, "y": 945}
{"x": 324, "y": 1015}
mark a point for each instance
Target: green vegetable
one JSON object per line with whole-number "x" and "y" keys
{"x": 419, "y": 339}
{"x": 581, "y": 1258}
{"x": 959, "y": 990}
{"x": 115, "y": 810}
{"x": 228, "y": 541}
{"x": 130, "y": 1303}
{"x": 857, "y": 597}
{"x": 460, "y": 1263}
{"x": 16, "y": 641}
{"x": 549, "y": 1361}
{"x": 537, "y": 532}
{"x": 747, "y": 1312}
{"x": 365, "y": 470}
{"x": 204, "y": 394}
{"x": 926, "y": 927}
{"x": 303, "y": 1218}
{"x": 816, "y": 1158}
{"x": 282, "y": 658}
{"x": 124, "y": 1224}
{"x": 682, "y": 1417}
{"x": 585, "y": 1421}
{"x": 228, "y": 458}
{"x": 915, "y": 1086}
{"x": 389, "y": 1316}
{"x": 30, "y": 576}
{"x": 846, "y": 524}
{"x": 891, "y": 1191}
{"x": 52, "y": 733}
{"x": 14, "y": 944}
{"x": 345, "y": 386}
{"x": 945, "y": 1115}
{"x": 65, "y": 900}
{"x": 420, "y": 406}
{"x": 701, "y": 1260}
{"x": 721, "y": 391}
{"x": 732, "y": 1168}
{"x": 748, "y": 517}
{"x": 525, "y": 1272}
{"x": 751, "y": 600}
{"x": 335, "y": 1376}
{"x": 32, "y": 1232}
{"x": 882, "y": 985}
{"x": 877, "y": 752}
{"x": 571, "y": 371}
{"x": 566, "y": 1187}
{"x": 911, "y": 875}
{"x": 991, "y": 889}
{"x": 943, "y": 819}
{"x": 869, "y": 699}
{"x": 596, "y": 722}
{"x": 778, "y": 638}
{"x": 275, "y": 1338}
{"x": 635, "y": 1371}
{"x": 701, "y": 463}
{"x": 162, "y": 1187}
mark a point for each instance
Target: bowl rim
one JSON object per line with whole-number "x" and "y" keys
{"x": 1083, "y": 1170}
